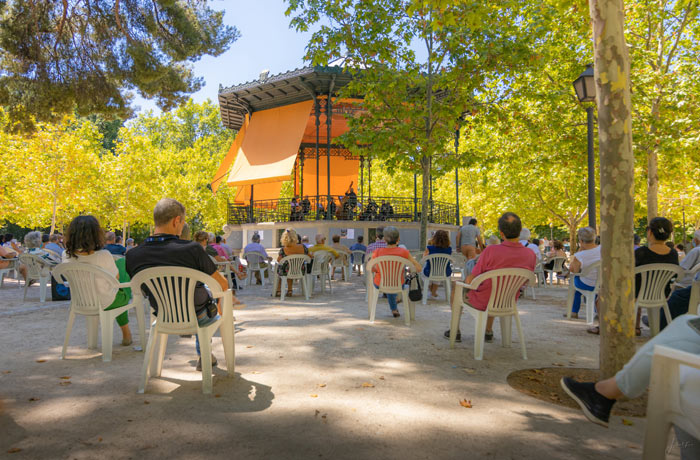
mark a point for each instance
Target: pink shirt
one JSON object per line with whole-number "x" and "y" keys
{"x": 219, "y": 250}
{"x": 505, "y": 255}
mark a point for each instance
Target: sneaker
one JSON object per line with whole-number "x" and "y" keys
{"x": 214, "y": 362}
{"x": 645, "y": 320}
{"x": 594, "y": 405}
{"x": 395, "y": 313}
{"x": 488, "y": 337}
{"x": 459, "y": 336}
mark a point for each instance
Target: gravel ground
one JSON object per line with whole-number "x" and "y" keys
{"x": 314, "y": 379}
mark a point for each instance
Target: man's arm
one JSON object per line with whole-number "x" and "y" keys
{"x": 459, "y": 239}
{"x": 691, "y": 259}
{"x": 575, "y": 266}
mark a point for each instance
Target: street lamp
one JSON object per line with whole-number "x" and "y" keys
{"x": 584, "y": 86}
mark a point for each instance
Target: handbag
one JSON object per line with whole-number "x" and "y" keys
{"x": 415, "y": 290}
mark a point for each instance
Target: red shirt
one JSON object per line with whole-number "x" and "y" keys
{"x": 396, "y": 251}
{"x": 505, "y": 255}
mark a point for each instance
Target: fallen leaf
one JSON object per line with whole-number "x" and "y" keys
{"x": 147, "y": 402}
{"x": 469, "y": 370}
{"x": 572, "y": 362}
{"x": 367, "y": 385}
{"x": 317, "y": 412}
{"x": 465, "y": 403}
{"x": 217, "y": 395}
{"x": 627, "y": 422}
{"x": 322, "y": 385}
{"x": 40, "y": 360}
{"x": 7, "y": 372}
{"x": 34, "y": 399}
{"x": 560, "y": 353}
{"x": 557, "y": 364}
{"x": 281, "y": 357}
{"x": 360, "y": 328}
{"x": 129, "y": 420}
{"x": 382, "y": 378}
{"x": 314, "y": 396}
{"x": 249, "y": 346}
{"x": 65, "y": 383}
{"x": 65, "y": 377}
{"x": 14, "y": 450}
{"x": 99, "y": 439}
{"x": 256, "y": 372}
{"x": 632, "y": 446}
{"x": 538, "y": 371}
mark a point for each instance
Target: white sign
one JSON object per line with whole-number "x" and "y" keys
{"x": 351, "y": 234}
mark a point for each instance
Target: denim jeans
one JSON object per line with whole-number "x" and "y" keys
{"x": 392, "y": 300}
{"x": 677, "y": 305}
{"x": 196, "y": 337}
{"x": 577, "y": 295}
{"x": 633, "y": 379}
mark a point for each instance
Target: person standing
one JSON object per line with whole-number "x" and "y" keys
{"x": 468, "y": 237}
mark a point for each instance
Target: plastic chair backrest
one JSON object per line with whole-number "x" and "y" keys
{"x": 358, "y": 257}
{"x": 254, "y": 259}
{"x": 173, "y": 291}
{"x": 594, "y": 267}
{"x": 296, "y": 265}
{"x": 459, "y": 260}
{"x": 83, "y": 280}
{"x": 117, "y": 257}
{"x": 391, "y": 272}
{"x": 438, "y": 265}
{"x": 654, "y": 279}
{"x": 322, "y": 259}
{"x": 36, "y": 266}
{"x": 505, "y": 284}
{"x": 559, "y": 263}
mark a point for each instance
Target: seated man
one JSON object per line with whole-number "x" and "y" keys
{"x": 255, "y": 246}
{"x": 53, "y": 245}
{"x": 525, "y": 241}
{"x": 112, "y": 246}
{"x": 597, "y": 398}
{"x": 379, "y": 242}
{"x": 586, "y": 256}
{"x": 359, "y": 247}
{"x": 691, "y": 259}
{"x": 509, "y": 254}
{"x": 321, "y": 246}
{"x": 165, "y": 249}
{"x": 342, "y": 250}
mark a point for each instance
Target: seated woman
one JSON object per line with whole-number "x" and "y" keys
{"x": 290, "y": 245}
{"x": 391, "y": 237}
{"x": 658, "y": 231}
{"x": 207, "y": 240}
{"x": 32, "y": 242}
{"x": 85, "y": 242}
{"x": 557, "y": 251}
{"x": 440, "y": 244}
{"x": 586, "y": 256}
{"x": 11, "y": 244}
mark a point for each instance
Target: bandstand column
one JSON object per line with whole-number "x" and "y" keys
{"x": 318, "y": 161}
{"x": 369, "y": 178}
{"x": 329, "y": 121}
{"x": 301, "y": 182}
{"x": 251, "y": 215}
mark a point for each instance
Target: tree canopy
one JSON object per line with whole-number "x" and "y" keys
{"x": 89, "y": 56}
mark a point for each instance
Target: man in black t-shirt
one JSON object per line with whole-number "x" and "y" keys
{"x": 165, "y": 249}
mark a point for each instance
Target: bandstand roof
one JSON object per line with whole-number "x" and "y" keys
{"x": 279, "y": 90}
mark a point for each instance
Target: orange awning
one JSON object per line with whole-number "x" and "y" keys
{"x": 270, "y": 146}
{"x": 266, "y": 191}
{"x": 222, "y": 172}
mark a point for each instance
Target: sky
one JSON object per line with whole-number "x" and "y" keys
{"x": 266, "y": 42}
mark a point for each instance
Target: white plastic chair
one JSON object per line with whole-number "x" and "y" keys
{"x": 117, "y": 257}
{"x": 255, "y": 264}
{"x": 588, "y": 296}
{"x": 320, "y": 268}
{"x": 674, "y": 399}
{"x": 37, "y": 269}
{"x": 652, "y": 291}
{"x": 505, "y": 284}
{"x": 12, "y": 267}
{"x": 694, "y": 302}
{"x": 296, "y": 271}
{"x": 225, "y": 268}
{"x": 438, "y": 274}
{"x": 392, "y": 270}
{"x": 358, "y": 261}
{"x": 85, "y": 300}
{"x": 539, "y": 274}
{"x": 173, "y": 290}
{"x": 342, "y": 262}
{"x": 689, "y": 275}
{"x": 558, "y": 267}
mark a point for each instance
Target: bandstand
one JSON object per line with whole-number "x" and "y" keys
{"x": 287, "y": 125}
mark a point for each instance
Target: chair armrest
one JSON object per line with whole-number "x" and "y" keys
{"x": 470, "y": 286}
{"x": 125, "y": 286}
{"x": 677, "y": 356}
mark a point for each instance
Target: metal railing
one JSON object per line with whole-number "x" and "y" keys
{"x": 314, "y": 208}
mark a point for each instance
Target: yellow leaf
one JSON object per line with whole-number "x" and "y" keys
{"x": 367, "y": 385}
{"x": 465, "y": 403}
{"x": 314, "y": 396}
{"x": 627, "y": 422}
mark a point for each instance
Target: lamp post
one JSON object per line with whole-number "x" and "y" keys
{"x": 584, "y": 86}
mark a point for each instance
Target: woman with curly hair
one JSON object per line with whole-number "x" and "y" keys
{"x": 85, "y": 242}
{"x": 439, "y": 244}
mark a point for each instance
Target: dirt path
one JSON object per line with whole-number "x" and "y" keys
{"x": 313, "y": 380}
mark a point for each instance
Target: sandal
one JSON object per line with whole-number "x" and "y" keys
{"x": 395, "y": 313}
{"x": 288, "y": 294}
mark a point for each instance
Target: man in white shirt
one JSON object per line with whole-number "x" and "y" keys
{"x": 691, "y": 259}
{"x": 588, "y": 254}
{"x": 525, "y": 241}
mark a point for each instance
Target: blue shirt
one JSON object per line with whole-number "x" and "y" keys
{"x": 116, "y": 249}
{"x": 437, "y": 250}
{"x": 358, "y": 247}
{"x": 55, "y": 248}
{"x": 255, "y": 247}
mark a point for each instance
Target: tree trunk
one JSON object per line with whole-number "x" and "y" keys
{"x": 425, "y": 205}
{"x": 53, "y": 215}
{"x": 573, "y": 240}
{"x": 616, "y": 306}
{"x": 653, "y": 167}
